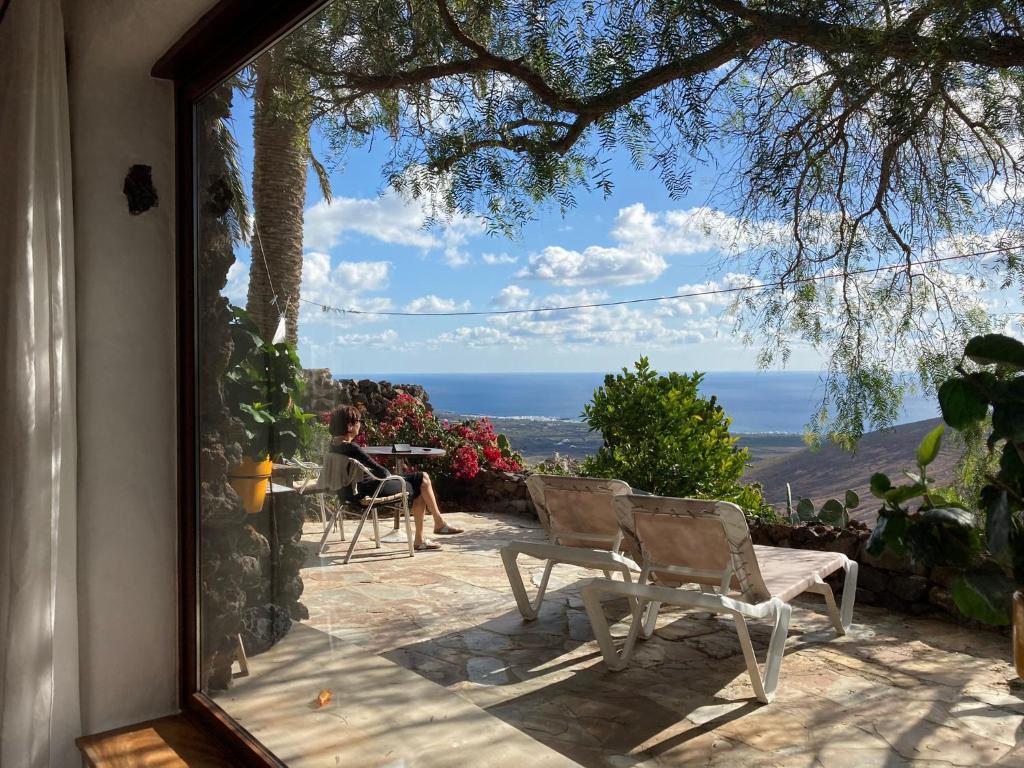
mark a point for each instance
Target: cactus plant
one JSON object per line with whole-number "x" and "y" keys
{"x": 833, "y": 512}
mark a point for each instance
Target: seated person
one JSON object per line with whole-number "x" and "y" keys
{"x": 346, "y": 421}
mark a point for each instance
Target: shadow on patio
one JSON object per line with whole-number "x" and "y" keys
{"x": 895, "y": 691}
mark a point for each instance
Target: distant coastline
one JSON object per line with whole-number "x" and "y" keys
{"x": 772, "y": 403}
{"x": 539, "y": 438}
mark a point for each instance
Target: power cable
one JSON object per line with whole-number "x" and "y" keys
{"x": 691, "y": 295}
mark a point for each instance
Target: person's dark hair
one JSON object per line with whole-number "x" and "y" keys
{"x": 342, "y": 418}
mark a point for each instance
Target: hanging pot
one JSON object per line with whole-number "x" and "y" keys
{"x": 250, "y": 479}
{"x": 1018, "y": 632}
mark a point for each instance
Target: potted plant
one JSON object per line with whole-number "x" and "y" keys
{"x": 262, "y": 384}
{"x": 986, "y": 549}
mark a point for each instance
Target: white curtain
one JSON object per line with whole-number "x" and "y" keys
{"x": 39, "y": 698}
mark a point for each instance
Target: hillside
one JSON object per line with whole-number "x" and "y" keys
{"x": 827, "y": 472}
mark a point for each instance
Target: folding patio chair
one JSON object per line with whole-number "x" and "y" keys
{"x": 342, "y": 473}
{"x": 700, "y": 555}
{"x": 582, "y": 529}
{"x": 311, "y": 484}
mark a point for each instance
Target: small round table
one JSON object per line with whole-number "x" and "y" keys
{"x": 397, "y": 536}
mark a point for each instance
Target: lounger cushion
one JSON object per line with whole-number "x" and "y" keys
{"x": 789, "y": 572}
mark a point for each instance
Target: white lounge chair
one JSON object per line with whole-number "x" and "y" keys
{"x": 701, "y": 556}
{"x": 578, "y": 514}
{"x": 342, "y": 472}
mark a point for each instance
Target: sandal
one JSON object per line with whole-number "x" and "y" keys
{"x": 448, "y": 530}
{"x": 426, "y": 546}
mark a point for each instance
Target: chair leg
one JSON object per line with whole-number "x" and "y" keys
{"x": 376, "y": 526}
{"x": 323, "y": 510}
{"x": 764, "y": 687}
{"x": 355, "y": 536}
{"x": 327, "y": 532}
{"x": 592, "y": 592}
{"x": 241, "y": 658}
{"x": 649, "y": 620}
{"x": 841, "y": 617}
{"x": 408, "y": 525}
{"x": 515, "y": 579}
{"x": 849, "y": 595}
{"x": 833, "y": 610}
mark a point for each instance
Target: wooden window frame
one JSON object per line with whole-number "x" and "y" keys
{"x": 224, "y": 40}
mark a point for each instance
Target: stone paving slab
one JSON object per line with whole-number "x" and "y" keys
{"x": 896, "y": 691}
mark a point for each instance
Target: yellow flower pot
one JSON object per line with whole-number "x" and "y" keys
{"x": 250, "y": 479}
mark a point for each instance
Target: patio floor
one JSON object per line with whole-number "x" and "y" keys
{"x": 896, "y": 691}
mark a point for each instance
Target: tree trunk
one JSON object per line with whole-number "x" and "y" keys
{"x": 280, "y": 136}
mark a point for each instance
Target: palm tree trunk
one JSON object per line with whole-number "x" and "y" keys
{"x": 280, "y": 143}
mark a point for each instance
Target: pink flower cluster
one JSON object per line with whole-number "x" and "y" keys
{"x": 470, "y": 445}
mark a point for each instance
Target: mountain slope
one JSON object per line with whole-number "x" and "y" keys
{"x": 827, "y": 472}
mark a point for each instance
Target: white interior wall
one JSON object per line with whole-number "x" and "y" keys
{"x": 127, "y": 526}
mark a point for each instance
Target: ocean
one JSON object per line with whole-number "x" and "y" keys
{"x": 770, "y": 402}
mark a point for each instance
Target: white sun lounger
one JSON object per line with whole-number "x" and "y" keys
{"x": 578, "y": 514}
{"x": 700, "y": 555}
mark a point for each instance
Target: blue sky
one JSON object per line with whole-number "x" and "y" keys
{"x": 368, "y": 250}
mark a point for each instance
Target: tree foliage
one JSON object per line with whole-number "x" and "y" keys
{"x": 662, "y": 436}
{"x": 848, "y": 134}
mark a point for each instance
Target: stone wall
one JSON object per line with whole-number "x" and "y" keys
{"x": 491, "y": 492}
{"x": 888, "y": 581}
{"x": 324, "y": 392}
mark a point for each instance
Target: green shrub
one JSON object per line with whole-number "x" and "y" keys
{"x": 662, "y": 436}
{"x": 750, "y": 498}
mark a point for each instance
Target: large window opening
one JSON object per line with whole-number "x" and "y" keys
{"x": 478, "y": 244}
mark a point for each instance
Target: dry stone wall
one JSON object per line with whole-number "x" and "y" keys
{"x": 888, "y": 581}
{"x": 324, "y": 392}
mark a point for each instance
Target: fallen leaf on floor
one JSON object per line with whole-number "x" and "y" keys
{"x": 324, "y": 698}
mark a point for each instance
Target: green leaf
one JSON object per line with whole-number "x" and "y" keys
{"x": 903, "y": 493}
{"x": 805, "y": 509}
{"x": 929, "y": 447}
{"x": 833, "y": 513}
{"x": 962, "y": 403}
{"x": 888, "y": 533}
{"x": 1008, "y": 421}
{"x": 948, "y": 516}
{"x": 880, "y": 484}
{"x": 996, "y": 349}
{"x": 852, "y": 500}
{"x": 832, "y": 505}
{"x": 985, "y": 594}
{"x": 998, "y": 522}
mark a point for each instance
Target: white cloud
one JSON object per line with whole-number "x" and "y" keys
{"x": 385, "y": 338}
{"x": 389, "y": 219}
{"x": 479, "y": 336}
{"x": 512, "y": 297}
{"x": 237, "y": 288}
{"x": 594, "y": 266}
{"x": 688, "y": 232}
{"x": 432, "y": 303}
{"x": 590, "y": 326}
{"x": 703, "y": 305}
{"x": 494, "y": 259}
{"x": 344, "y": 286}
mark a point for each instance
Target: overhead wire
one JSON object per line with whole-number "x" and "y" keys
{"x": 689, "y": 295}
